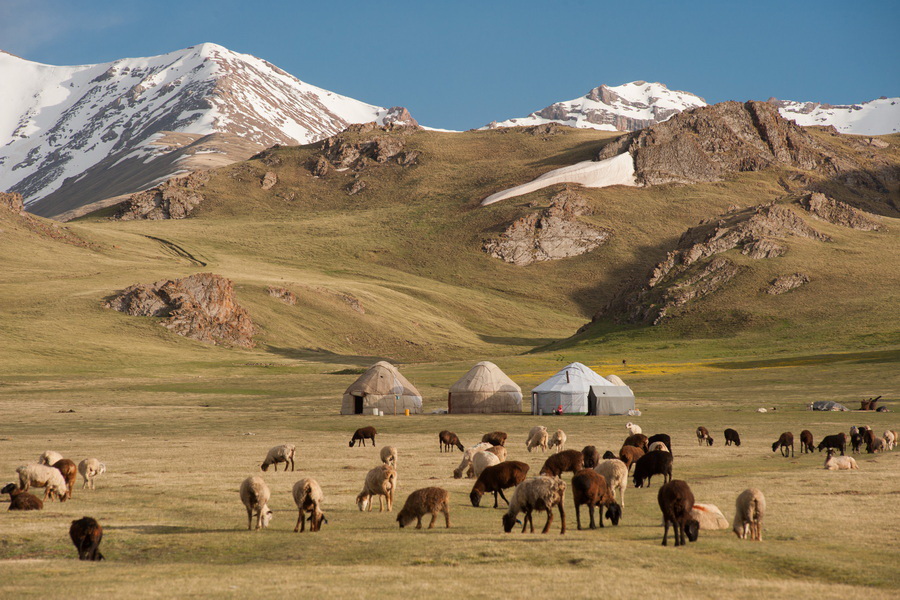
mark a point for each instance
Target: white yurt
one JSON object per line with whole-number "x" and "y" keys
{"x": 581, "y": 391}
{"x": 484, "y": 389}
{"x": 384, "y": 388}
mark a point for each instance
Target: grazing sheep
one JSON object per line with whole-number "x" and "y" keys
{"x": 658, "y": 446}
{"x": 876, "y": 445}
{"x": 567, "y": 460}
{"x": 837, "y": 441}
{"x": 255, "y": 496}
{"x": 660, "y": 437}
{"x": 750, "y": 507}
{"x": 732, "y": 437}
{"x": 279, "y": 454}
{"x": 536, "y": 430}
{"x": 539, "y": 493}
{"x": 50, "y": 479}
{"x": 709, "y": 516}
{"x": 495, "y": 438}
{"x": 500, "y": 451}
{"x": 856, "y": 441}
{"x": 839, "y": 463}
{"x": 362, "y": 434}
{"x": 869, "y": 438}
{"x": 86, "y": 534}
{"x": 430, "y": 500}
{"x": 616, "y": 474}
{"x": 389, "y": 456}
{"x": 591, "y": 456}
{"x": 465, "y": 466}
{"x": 558, "y": 440}
{"x": 806, "y": 441}
{"x": 676, "y": 501}
{"x": 496, "y": 479}
{"x": 638, "y": 440}
{"x": 308, "y": 497}
{"x": 482, "y": 460}
{"x": 448, "y": 440}
{"x": 89, "y": 469}
{"x": 540, "y": 439}
{"x": 589, "y": 487}
{"x": 703, "y": 436}
{"x": 785, "y": 441}
{"x": 609, "y": 455}
{"x": 653, "y": 463}
{"x": 630, "y": 455}
{"x": 19, "y": 500}
{"x": 69, "y": 472}
{"x": 633, "y": 429}
{"x": 49, "y": 457}
{"x": 890, "y": 439}
{"x": 382, "y": 482}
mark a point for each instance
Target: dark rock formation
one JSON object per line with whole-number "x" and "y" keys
{"x": 283, "y": 294}
{"x": 837, "y": 212}
{"x": 173, "y": 199}
{"x": 786, "y": 283}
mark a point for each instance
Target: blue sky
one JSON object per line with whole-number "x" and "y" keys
{"x": 463, "y": 64}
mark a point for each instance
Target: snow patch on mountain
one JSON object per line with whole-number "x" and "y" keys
{"x": 878, "y": 117}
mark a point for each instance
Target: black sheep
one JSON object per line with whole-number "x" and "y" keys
{"x": 362, "y": 434}
{"x": 806, "y": 441}
{"x": 20, "y": 500}
{"x": 732, "y": 437}
{"x": 837, "y": 441}
{"x": 785, "y": 441}
{"x": 653, "y": 463}
{"x": 660, "y": 437}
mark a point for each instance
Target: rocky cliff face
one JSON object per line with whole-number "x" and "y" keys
{"x": 837, "y": 212}
{"x": 362, "y": 145}
{"x": 173, "y": 199}
{"x": 202, "y": 307}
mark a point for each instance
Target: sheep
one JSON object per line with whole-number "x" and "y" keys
{"x": 539, "y": 493}
{"x": 837, "y": 441}
{"x": 632, "y": 428}
{"x": 465, "y": 466}
{"x": 638, "y": 440}
{"x": 448, "y": 440}
{"x": 855, "y": 442}
{"x": 389, "y": 456}
{"x": 591, "y": 456}
{"x": 382, "y": 482}
{"x": 536, "y": 430}
{"x": 806, "y": 441}
{"x": 496, "y": 479}
{"x": 19, "y": 500}
{"x": 362, "y": 434}
{"x": 539, "y": 440}
{"x": 495, "y": 438}
{"x": 567, "y": 460}
{"x": 49, "y": 457}
{"x": 69, "y": 472}
{"x": 749, "y": 509}
{"x": 89, "y": 469}
{"x": 854, "y": 430}
{"x": 308, "y": 497}
{"x": 658, "y": 446}
{"x": 709, "y": 516}
{"x": 676, "y": 500}
{"x": 630, "y": 455}
{"x": 279, "y": 454}
{"x": 869, "y": 438}
{"x": 43, "y": 476}
{"x": 86, "y": 534}
{"x": 890, "y": 439}
{"x": 660, "y": 437}
{"x": 255, "y": 496}
{"x": 785, "y": 441}
{"x": 876, "y": 445}
{"x": 422, "y": 502}
{"x": 499, "y": 451}
{"x": 732, "y": 437}
{"x": 609, "y": 454}
{"x": 839, "y": 463}
{"x": 589, "y": 487}
{"x": 616, "y": 474}
{"x": 482, "y": 460}
{"x": 703, "y": 436}
{"x": 653, "y": 463}
{"x": 558, "y": 440}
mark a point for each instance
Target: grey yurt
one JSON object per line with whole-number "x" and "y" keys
{"x": 484, "y": 389}
{"x": 580, "y": 391}
{"x": 384, "y": 388}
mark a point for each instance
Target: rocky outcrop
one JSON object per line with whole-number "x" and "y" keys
{"x": 13, "y": 202}
{"x": 362, "y": 145}
{"x": 269, "y": 180}
{"x": 356, "y": 186}
{"x": 837, "y": 212}
{"x": 201, "y": 307}
{"x": 786, "y": 283}
{"x": 550, "y": 234}
{"x": 283, "y": 294}
{"x": 173, "y": 199}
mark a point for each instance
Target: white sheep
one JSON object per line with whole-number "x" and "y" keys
{"x": 634, "y": 429}
{"x": 540, "y": 493}
{"x": 749, "y": 509}
{"x": 50, "y": 479}
{"x": 382, "y": 482}
{"x": 709, "y": 516}
{"x": 389, "y": 456}
{"x": 465, "y": 466}
{"x": 536, "y": 430}
{"x": 308, "y": 497}
{"x": 558, "y": 440}
{"x": 89, "y": 469}
{"x": 255, "y": 495}
{"x": 540, "y": 439}
{"x": 839, "y": 463}
{"x": 658, "y": 446}
{"x": 890, "y": 439}
{"x": 49, "y": 458}
{"x": 616, "y": 474}
{"x": 279, "y": 454}
{"x": 483, "y": 460}
{"x": 500, "y": 451}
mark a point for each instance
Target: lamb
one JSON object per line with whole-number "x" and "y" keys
{"x": 653, "y": 463}
{"x": 362, "y": 434}
{"x": 279, "y": 454}
{"x": 422, "y": 502}
{"x": 837, "y": 441}
{"x": 465, "y": 466}
{"x": 591, "y": 456}
{"x": 482, "y": 460}
{"x": 49, "y": 457}
{"x": 785, "y": 441}
{"x": 632, "y": 428}
{"x": 43, "y": 476}
{"x": 630, "y": 455}
{"x": 589, "y": 487}
{"x": 616, "y": 474}
{"x": 703, "y": 436}
{"x": 638, "y": 440}
{"x": 499, "y": 451}
{"x": 676, "y": 501}
{"x": 448, "y": 440}
{"x": 496, "y": 479}
{"x": 558, "y": 440}
{"x": 389, "y": 456}
{"x": 567, "y": 460}
{"x": 658, "y": 446}
{"x": 539, "y": 439}
{"x": 839, "y": 463}
{"x": 86, "y": 534}
{"x": 255, "y": 496}
{"x": 732, "y": 437}
{"x": 495, "y": 438}
{"x": 539, "y": 493}
{"x": 536, "y": 430}
{"x": 308, "y": 497}
{"x": 750, "y": 507}
{"x": 709, "y": 516}
{"x": 19, "y": 500}
{"x": 89, "y": 469}
{"x": 806, "y": 441}
{"x": 890, "y": 439}
{"x": 382, "y": 482}
{"x": 660, "y": 437}
{"x": 69, "y": 472}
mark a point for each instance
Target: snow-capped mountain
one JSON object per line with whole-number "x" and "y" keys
{"x": 877, "y": 117}
{"x": 108, "y": 128}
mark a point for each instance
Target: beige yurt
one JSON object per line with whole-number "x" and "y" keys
{"x": 384, "y": 388}
{"x": 484, "y": 389}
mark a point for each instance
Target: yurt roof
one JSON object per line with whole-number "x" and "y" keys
{"x": 572, "y": 378}
{"x": 485, "y": 377}
{"x": 615, "y": 380}
{"x": 382, "y": 379}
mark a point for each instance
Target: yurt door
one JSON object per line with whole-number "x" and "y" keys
{"x": 357, "y": 405}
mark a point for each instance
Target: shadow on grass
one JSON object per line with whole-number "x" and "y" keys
{"x": 874, "y": 356}
{"x": 166, "y": 529}
{"x": 516, "y": 341}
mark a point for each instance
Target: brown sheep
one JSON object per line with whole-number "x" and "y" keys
{"x": 21, "y": 500}
{"x": 838, "y": 441}
{"x": 497, "y": 438}
{"x": 591, "y": 456}
{"x": 784, "y": 442}
{"x": 86, "y": 534}
{"x": 589, "y": 487}
{"x": 676, "y": 501}
{"x": 448, "y": 440}
{"x": 422, "y": 502}
{"x": 703, "y": 436}
{"x": 806, "y": 441}
{"x": 638, "y": 440}
{"x": 630, "y": 455}
{"x": 362, "y": 434}
{"x": 496, "y": 479}
{"x": 567, "y": 460}
{"x": 69, "y": 472}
